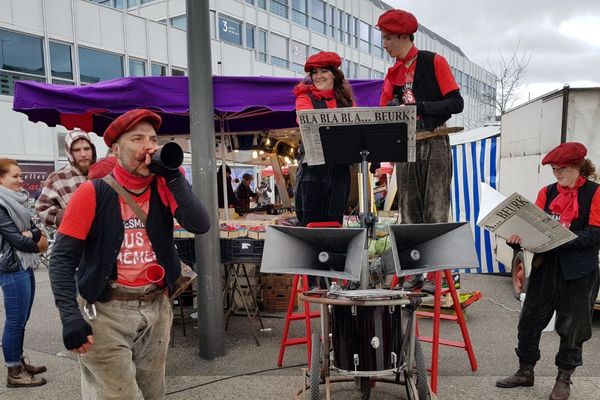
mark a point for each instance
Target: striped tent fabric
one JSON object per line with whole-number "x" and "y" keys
{"x": 476, "y": 158}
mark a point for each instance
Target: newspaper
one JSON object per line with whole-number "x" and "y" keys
{"x": 311, "y": 120}
{"x": 515, "y": 215}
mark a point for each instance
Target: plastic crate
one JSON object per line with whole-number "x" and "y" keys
{"x": 185, "y": 250}
{"x": 242, "y": 250}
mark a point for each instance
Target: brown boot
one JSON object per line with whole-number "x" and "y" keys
{"x": 31, "y": 368}
{"x": 523, "y": 377}
{"x": 562, "y": 387}
{"x": 18, "y": 377}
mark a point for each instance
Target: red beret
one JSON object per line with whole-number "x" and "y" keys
{"x": 127, "y": 121}
{"x": 565, "y": 154}
{"x": 323, "y": 59}
{"x": 398, "y": 22}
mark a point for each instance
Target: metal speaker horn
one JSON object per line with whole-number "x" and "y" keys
{"x": 169, "y": 156}
{"x": 423, "y": 248}
{"x": 329, "y": 252}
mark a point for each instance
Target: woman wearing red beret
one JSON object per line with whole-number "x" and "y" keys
{"x": 564, "y": 279}
{"x": 322, "y": 190}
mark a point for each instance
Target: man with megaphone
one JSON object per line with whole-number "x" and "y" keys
{"x": 121, "y": 228}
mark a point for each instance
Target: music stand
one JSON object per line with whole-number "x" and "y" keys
{"x": 361, "y": 137}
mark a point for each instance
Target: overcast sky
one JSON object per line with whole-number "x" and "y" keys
{"x": 562, "y": 36}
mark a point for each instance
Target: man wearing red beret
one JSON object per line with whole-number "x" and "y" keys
{"x": 424, "y": 79}
{"x": 116, "y": 234}
{"x": 565, "y": 279}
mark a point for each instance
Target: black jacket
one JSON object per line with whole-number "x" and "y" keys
{"x": 11, "y": 239}
{"x": 98, "y": 253}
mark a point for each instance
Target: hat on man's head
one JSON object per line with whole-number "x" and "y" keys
{"x": 398, "y": 22}
{"x": 565, "y": 154}
{"x": 127, "y": 121}
{"x": 71, "y": 137}
{"x": 323, "y": 59}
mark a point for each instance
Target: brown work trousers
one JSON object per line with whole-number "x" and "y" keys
{"x": 127, "y": 359}
{"x": 424, "y": 185}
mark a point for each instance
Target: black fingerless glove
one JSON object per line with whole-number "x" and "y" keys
{"x": 75, "y": 333}
{"x": 164, "y": 172}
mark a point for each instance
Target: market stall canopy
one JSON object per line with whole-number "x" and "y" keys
{"x": 242, "y": 104}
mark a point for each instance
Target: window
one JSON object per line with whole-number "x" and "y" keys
{"x": 158, "y": 69}
{"x": 299, "y": 12}
{"x": 355, "y": 31}
{"x": 250, "y": 36}
{"x": 21, "y": 53}
{"x": 280, "y": 7}
{"x": 262, "y": 45}
{"x": 60, "y": 61}
{"x": 137, "y": 67}
{"x": 346, "y": 68}
{"x": 317, "y": 21}
{"x": 262, "y": 4}
{"x": 365, "y": 37}
{"x": 179, "y": 22}
{"x": 377, "y": 43}
{"x": 96, "y": 66}
{"x": 341, "y": 25}
{"x": 250, "y": 2}
{"x": 279, "y": 51}
{"x": 332, "y": 20}
{"x": 298, "y": 56}
{"x": 349, "y": 29}
{"x": 230, "y": 30}
{"x": 364, "y": 72}
{"x": 132, "y": 3}
{"x": 377, "y": 74}
{"x": 177, "y": 72}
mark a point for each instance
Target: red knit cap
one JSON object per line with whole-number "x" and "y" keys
{"x": 398, "y": 22}
{"x": 565, "y": 154}
{"x": 323, "y": 59}
{"x": 127, "y": 121}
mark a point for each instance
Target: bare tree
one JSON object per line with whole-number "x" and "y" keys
{"x": 510, "y": 70}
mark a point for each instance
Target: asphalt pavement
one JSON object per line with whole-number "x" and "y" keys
{"x": 248, "y": 371}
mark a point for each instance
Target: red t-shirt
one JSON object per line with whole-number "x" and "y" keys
{"x": 443, "y": 76}
{"x": 136, "y": 250}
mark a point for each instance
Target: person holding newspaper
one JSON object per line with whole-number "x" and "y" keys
{"x": 564, "y": 279}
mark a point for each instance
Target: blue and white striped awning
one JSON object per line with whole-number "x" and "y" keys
{"x": 476, "y": 158}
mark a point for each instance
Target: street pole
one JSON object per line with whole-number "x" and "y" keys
{"x": 204, "y": 173}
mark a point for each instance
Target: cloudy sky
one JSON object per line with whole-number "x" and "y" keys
{"x": 562, "y": 36}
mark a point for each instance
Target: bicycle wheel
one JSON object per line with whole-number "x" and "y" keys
{"x": 421, "y": 372}
{"x": 315, "y": 368}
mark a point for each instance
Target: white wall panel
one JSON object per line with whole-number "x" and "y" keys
{"x": 111, "y": 27}
{"x": 232, "y": 8}
{"x": 28, "y": 14}
{"x": 136, "y": 36}
{"x": 158, "y": 41}
{"x": 87, "y": 18}
{"x": 6, "y": 16}
{"x": 300, "y": 34}
{"x": 58, "y": 18}
{"x": 178, "y": 47}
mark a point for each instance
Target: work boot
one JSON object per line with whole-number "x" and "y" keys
{"x": 18, "y": 377}
{"x": 31, "y": 368}
{"x": 562, "y": 387}
{"x": 413, "y": 282}
{"x": 523, "y": 377}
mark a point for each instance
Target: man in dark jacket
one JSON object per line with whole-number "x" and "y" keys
{"x": 424, "y": 79}
{"x": 128, "y": 265}
{"x": 244, "y": 192}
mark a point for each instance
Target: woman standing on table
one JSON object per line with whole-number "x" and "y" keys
{"x": 564, "y": 279}
{"x": 322, "y": 190}
{"x": 20, "y": 243}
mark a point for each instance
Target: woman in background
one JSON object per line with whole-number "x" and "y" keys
{"x": 20, "y": 243}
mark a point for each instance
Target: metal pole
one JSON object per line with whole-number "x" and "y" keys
{"x": 204, "y": 173}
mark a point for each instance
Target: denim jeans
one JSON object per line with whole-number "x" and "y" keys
{"x": 18, "y": 289}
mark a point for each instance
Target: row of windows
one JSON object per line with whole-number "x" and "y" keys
{"x": 279, "y": 50}
{"x": 24, "y": 55}
{"x": 121, "y": 4}
{"x": 472, "y": 86}
{"x": 329, "y": 21}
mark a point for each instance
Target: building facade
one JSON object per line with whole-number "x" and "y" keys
{"x": 77, "y": 42}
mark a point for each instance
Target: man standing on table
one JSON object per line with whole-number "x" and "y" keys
{"x": 121, "y": 326}
{"x": 424, "y": 79}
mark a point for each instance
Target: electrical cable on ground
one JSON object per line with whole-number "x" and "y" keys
{"x": 233, "y": 377}
{"x": 518, "y": 311}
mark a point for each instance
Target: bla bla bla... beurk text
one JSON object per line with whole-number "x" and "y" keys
{"x": 354, "y": 117}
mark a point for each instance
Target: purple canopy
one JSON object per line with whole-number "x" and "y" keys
{"x": 241, "y": 103}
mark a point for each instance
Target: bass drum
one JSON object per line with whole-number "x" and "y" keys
{"x": 366, "y": 338}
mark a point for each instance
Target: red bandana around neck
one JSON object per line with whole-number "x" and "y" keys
{"x": 398, "y": 72}
{"x": 565, "y": 204}
{"x": 129, "y": 180}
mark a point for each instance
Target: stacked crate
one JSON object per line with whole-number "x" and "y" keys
{"x": 276, "y": 290}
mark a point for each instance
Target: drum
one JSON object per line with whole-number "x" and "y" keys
{"x": 366, "y": 337}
